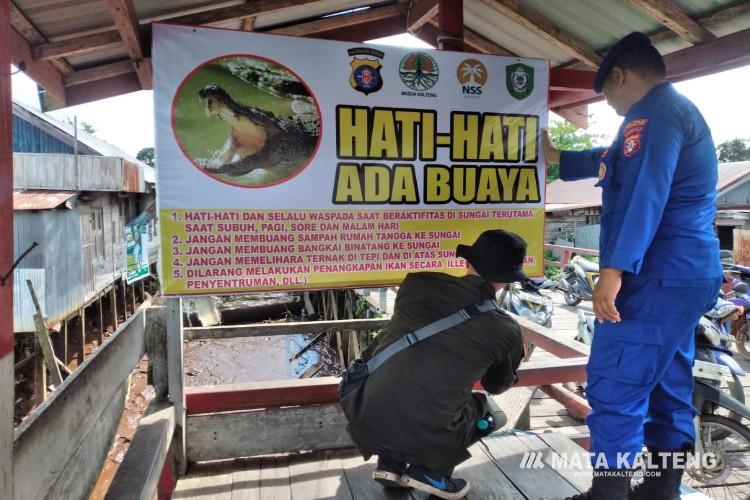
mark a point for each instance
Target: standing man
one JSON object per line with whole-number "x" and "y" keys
{"x": 417, "y": 412}
{"x": 660, "y": 270}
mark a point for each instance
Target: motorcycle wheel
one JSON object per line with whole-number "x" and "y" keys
{"x": 743, "y": 341}
{"x": 735, "y": 390}
{"x": 726, "y": 476}
{"x": 571, "y": 300}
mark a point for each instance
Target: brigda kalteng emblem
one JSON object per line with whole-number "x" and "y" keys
{"x": 365, "y": 76}
{"x": 632, "y": 133}
{"x": 519, "y": 78}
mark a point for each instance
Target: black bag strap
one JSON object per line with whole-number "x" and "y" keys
{"x": 411, "y": 338}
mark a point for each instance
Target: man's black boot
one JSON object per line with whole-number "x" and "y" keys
{"x": 663, "y": 479}
{"x": 608, "y": 485}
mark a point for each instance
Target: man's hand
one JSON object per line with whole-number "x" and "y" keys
{"x": 605, "y": 293}
{"x": 550, "y": 151}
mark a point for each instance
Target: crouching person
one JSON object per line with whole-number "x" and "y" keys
{"x": 409, "y": 400}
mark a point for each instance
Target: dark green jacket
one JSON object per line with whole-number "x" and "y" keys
{"x": 418, "y": 406}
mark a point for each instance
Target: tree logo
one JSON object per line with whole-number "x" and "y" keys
{"x": 418, "y": 71}
{"x": 472, "y": 75}
{"x": 519, "y": 78}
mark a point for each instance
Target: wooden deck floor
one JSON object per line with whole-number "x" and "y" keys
{"x": 494, "y": 473}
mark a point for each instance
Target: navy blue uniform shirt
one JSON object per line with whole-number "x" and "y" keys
{"x": 658, "y": 182}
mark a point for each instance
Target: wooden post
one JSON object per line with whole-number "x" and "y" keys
{"x": 40, "y": 376}
{"x": 101, "y": 320}
{"x": 143, "y": 290}
{"x": 43, "y": 340}
{"x": 6, "y": 258}
{"x": 82, "y": 350}
{"x": 176, "y": 379}
{"x": 451, "y": 22}
{"x": 113, "y": 305}
{"x": 124, "y": 299}
{"x": 66, "y": 354}
{"x": 132, "y": 295}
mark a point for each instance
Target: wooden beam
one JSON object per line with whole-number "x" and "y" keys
{"x": 484, "y": 45}
{"x": 420, "y": 13}
{"x": 27, "y": 29}
{"x": 7, "y": 375}
{"x": 126, "y": 21}
{"x": 727, "y": 52}
{"x": 676, "y": 19}
{"x": 98, "y": 73}
{"x": 571, "y": 79}
{"x": 43, "y": 340}
{"x": 451, "y": 25}
{"x": 343, "y": 22}
{"x": 176, "y": 379}
{"x": 248, "y": 24}
{"x": 78, "y": 45}
{"x": 322, "y": 390}
{"x": 234, "y": 12}
{"x": 272, "y": 329}
{"x": 101, "y": 89}
{"x": 42, "y": 72}
{"x": 538, "y": 24}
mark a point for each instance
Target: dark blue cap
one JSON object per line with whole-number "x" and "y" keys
{"x": 634, "y": 39}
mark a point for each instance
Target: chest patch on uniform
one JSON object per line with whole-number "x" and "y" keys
{"x": 632, "y": 133}
{"x": 602, "y": 170}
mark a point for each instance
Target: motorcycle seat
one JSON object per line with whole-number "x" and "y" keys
{"x": 589, "y": 267}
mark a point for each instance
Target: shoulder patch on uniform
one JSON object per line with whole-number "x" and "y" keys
{"x": 632, "y": 133}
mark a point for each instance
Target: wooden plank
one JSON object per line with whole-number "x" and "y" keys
{"x": 101, "y": 320}
{"x": 676, "y": 19}
{"x": 352, "y": 20}
{"x": 246, "y": 479}
{"x": 451, "y": 25}
{"x": 138, "y": 475}
{"x": 234, "y": 397}
{"x": 40, "y": 378}
{"x": 272, "y": 329}
{"x": 359, "y": 476}
{"x": 727, "y": 52}
{"x": 126, "y": 21}
{"x": 565, "y": 447}
{"x": 42, "y": 337}
{"x": 488, "y": 482}
{"x": 551, "y": 341}
{"x": 156, "y": 349}
{"x": 484, "y": 45}
{"x": 508, "y": 453}
{"x": 420, "y": 13}
{"x": 553, "y": 460}
{"x": 98, "y": 73}
{"x": 82, "y": 332}
{"x": 42, "y": 72}
{"x": 538, "y": 24}
{"x": 316, "y": 475}
{"x": 44, "y": 440}
{"x": 515, "y": 403}
{"x": 176, "y": 380}
{"x": 27, "y": 29}
{"x": 274, "y": 479}
{"x": 7, "y": 375}
{"x": 206, "y": 482}
{"x": 575, "y": 405}
{"x": 234, "y": 12}
{"x": 113, "y": 306}
{"x": 283, "y": 430}
{"x": 78, "y": 45}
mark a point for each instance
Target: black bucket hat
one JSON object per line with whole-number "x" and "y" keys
{"x": 497, "y": 256}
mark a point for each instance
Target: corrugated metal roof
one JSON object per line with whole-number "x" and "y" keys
{"x": 40, "y": 200}
{"x": 579, "y": 194}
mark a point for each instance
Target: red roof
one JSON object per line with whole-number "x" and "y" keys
{"x": 40, "y": 199}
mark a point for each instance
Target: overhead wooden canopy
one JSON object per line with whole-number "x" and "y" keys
{"x": 85, "y": 50}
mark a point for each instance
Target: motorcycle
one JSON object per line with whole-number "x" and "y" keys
{"x": 741, "y": 297}
{"x": 719, "y": 397}
{"x": 577, "y": 280}
{"x": 528, "y": 302}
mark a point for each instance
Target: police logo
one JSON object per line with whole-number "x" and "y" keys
{"x": 365, "y": 76}
{"x": 472, "y": 75}
{"x": 519, "y": 78}
{"x": 631, "y": 145}
{"x": 418, "y": 71}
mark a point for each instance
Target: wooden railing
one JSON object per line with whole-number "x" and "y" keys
{"x": 567, "y": 253}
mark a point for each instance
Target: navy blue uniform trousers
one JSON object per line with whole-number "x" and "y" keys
{"x": 640, "y": 371}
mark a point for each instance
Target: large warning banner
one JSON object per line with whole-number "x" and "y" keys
{"x": 290, "y": 163}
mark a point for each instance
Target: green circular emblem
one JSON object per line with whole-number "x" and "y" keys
{"x": 419, "y": 71}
